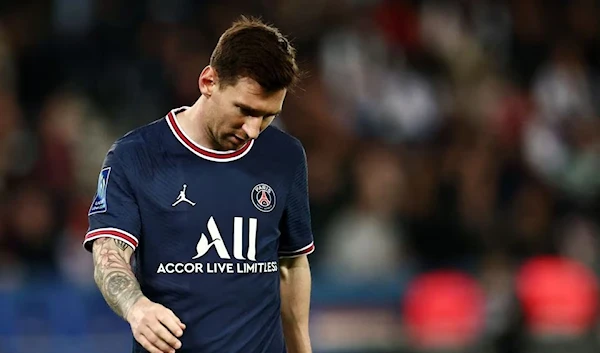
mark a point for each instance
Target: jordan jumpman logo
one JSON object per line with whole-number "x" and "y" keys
{"x": 183, "y": 198}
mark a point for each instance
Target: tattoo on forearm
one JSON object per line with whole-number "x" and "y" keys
{"x": 121, "y": 244}
{"x": 114, "y": 277}
{"x": 122, "y": 291}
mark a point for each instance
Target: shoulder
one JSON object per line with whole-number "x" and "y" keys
{"x": 137, "y": 142}
{"x": 282, "y": 143}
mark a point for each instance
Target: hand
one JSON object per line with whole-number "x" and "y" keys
{"x": 155, "y": 327}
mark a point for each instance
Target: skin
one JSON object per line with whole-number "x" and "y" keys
{"x": 225, "y": 117}
{"x": 155, "y": 327}
{"x": 295, "y": 286}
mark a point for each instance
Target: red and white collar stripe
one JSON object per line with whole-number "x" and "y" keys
{"x": 200, "y": 151}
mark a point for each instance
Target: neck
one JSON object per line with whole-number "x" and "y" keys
{"x": 193, "y": 123}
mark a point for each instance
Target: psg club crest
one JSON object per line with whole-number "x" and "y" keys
{"x": 263, "y": 197}
{"x": 99, "y": 204}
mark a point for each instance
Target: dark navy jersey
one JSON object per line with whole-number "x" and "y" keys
{"x": 208, "y": 228}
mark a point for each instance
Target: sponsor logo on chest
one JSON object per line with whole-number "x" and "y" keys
{"x": 244, "y": 245}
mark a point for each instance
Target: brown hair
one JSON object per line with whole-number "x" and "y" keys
{"x": 250, "y": 48}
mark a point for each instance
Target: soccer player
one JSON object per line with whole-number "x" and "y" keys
{"x": 200, "y": 228}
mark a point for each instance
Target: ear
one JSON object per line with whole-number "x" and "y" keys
{"x": 207, "y": 81}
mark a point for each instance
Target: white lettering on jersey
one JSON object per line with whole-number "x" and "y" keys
{"x": 216, "y": 240}
{"x": 204, "y": 246}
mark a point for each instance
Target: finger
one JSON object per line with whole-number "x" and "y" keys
{"x": 147, "y": 344}
{"x": 181, "y": 324}
{"x": 177, "y": 320}
{"x": 156, "y": 340}
{"x": 165, "y": 335}
{"x": 170, "y": 321}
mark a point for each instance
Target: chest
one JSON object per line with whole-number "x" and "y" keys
{"x": 181, "y": 200}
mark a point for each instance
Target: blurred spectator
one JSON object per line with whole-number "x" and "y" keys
{"x": 12, "y": 142}
{"x": 31, "y": 226}
{"x": 364, "y": 242}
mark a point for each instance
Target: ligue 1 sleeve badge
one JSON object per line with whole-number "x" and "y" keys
{"x": 99, "y": 204}
{"x": 263, "y": 197}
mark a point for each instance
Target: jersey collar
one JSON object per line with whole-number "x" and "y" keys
{"x": 200, "y": 151}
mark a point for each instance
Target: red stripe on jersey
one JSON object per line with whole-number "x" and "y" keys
{"x": 304, "y": 251}
{"x": 200, "y": 150}
{"x": 98, "y": 233}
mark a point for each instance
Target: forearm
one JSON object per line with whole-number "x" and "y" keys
{"x": 113, "y": 275}
{"x": 295, "y": 303}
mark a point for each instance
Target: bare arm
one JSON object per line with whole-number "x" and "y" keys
{"x": 295, "y": 303}
{"x": 155, "y": 327}
{"x": 113, "y": 275}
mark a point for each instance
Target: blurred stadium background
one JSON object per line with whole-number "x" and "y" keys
{"x": 453, "y": 152}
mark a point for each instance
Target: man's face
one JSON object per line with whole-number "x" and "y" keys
{"x": 240, "y": 112}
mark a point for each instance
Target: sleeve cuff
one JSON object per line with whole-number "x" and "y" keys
{"x": 114, "y": 233}
{"x": 309, "y": 249}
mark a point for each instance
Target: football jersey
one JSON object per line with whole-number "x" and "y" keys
{"x": 208, "y": 228}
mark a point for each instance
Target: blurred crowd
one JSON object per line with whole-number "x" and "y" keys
{"x": 453, "y": 139}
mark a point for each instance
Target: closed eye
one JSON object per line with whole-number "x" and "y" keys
{"x": 247, "y": 111}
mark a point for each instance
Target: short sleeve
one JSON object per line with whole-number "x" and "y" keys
{"x": 296, "y": 233}
{"x": 114, "y": 212}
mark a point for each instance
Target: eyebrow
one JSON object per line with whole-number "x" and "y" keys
{"x": 256, "y": 112}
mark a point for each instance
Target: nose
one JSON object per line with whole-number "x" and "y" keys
{"x": 252, "y": 127}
